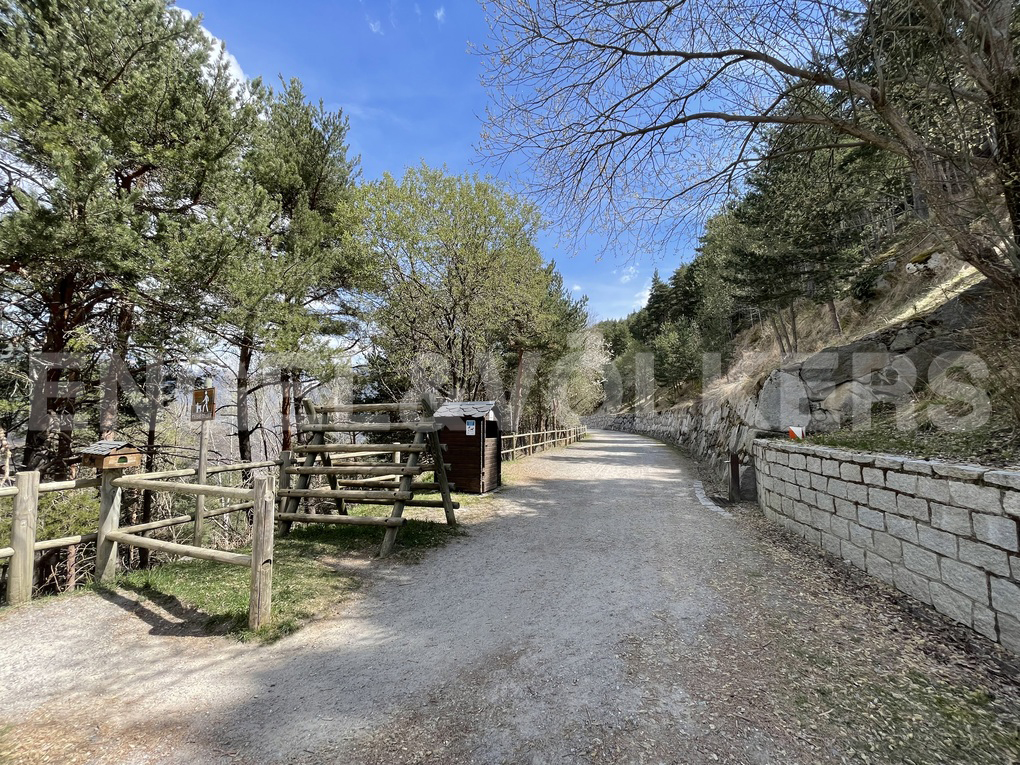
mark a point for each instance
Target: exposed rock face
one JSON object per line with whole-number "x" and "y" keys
{"x": 824, "y": 391}
{"x": 783, "y": 402}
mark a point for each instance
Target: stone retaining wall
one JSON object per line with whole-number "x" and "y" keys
{"x": 707, "y": 431}
{"x": 944, "y": 533}
{"x": 823, "y": 391}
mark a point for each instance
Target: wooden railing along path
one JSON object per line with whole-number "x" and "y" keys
{"x": 261, "y": 499}
{"x": 524, "y": 444}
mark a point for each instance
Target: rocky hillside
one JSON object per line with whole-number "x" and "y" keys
{"x": 837, "y": 387}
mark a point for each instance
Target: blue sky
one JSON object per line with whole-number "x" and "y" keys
{"x": 402, "y": 72}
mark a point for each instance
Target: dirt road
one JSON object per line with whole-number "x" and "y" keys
{"x": 596, "y": 611}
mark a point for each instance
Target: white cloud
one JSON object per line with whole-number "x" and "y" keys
{"x": 375, "y": 26}
{"x": 576, "y": 288}
{"x": 440, "y": 14}
{"x": 641, "y": 298}
{"x": 233, "y": 65}
{"x": 367, "y": 113}
{"x": 628, "y": 273}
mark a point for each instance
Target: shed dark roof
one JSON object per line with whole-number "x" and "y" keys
{"x": 103, "y": 448}
{"x": 465, "y": 409}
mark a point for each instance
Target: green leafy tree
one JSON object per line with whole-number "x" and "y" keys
{"x": 655, "y": 312}
{"x": 807, "y": 221}
{"x": 678, "y": 352}
{"x": 459, "y": 264}
{"x": 616, "y": 334}
{"x": 468, "y": 308}
{"x": 566, "y": 361}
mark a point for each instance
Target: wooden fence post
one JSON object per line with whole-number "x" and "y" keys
{"x": 286, "y": 461}
{"x": 109, "y": 520}
{"x": 201, "y": 477}
{"x": 440, "y": 476}
{"x": 23, "y": 527}
{"x": 734, "y": 482}
{"x": 263, "y": 511}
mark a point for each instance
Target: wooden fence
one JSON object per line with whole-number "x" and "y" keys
{"x": 261, "y": 500}
{"x": 524, "y": 444}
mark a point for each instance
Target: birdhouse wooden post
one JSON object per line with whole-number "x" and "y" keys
{"x": 110, "y": 459}
{"x": 107, "y": 455}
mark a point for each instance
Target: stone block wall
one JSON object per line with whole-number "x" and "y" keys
{"x": 943, "y": 533}
{"x": 707, "y": 430}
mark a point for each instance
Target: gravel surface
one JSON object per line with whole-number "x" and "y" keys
{"x": 595, "y": 612}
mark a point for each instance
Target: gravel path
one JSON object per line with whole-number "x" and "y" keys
{"x": 596, "y": 612}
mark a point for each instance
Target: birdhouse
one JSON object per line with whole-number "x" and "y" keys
{"x": 106, "y": 455}
{"x": 471, "y": 434}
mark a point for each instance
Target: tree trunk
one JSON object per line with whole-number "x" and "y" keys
{"x": 150, "y": 467}
{"x": 153, "y": 391}
{"x": 1006, "y": 108}
{"x": 48, "y": 440}
{"x": 776, "y": 320}
{"x": 794, "y": 340}
{"x": 297, "y": 401}
{"x": 1003, "y": 87}
{"x": 5, "y": 459}
{"x": 285, "y": 378}
{"x": 72, "y": 568}
{"x": 244, "y": 357}
{"x": 516, "y": 402}
{"x": 109, "y": 408}
{"x": 834, "y": 314}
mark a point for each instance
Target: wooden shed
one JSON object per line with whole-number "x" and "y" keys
{"x": 471, "y": 432}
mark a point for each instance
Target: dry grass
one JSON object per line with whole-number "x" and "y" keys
{"x": 849, "y": 664}
{"x": 905, "y": 296}
{"x": 996, "y": 336}
{"x": 908, "y": 296}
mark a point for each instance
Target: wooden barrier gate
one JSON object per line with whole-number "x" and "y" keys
{"x": 359, "y": 476}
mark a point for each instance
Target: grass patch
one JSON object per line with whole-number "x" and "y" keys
{"x": 305, "y": 585}
{"x": 917, "y": 719}
{"x": 6, "y": 745}
{"x": 61, "y": 514}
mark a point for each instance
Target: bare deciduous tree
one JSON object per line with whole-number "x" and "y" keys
{"x": 636, "y": 114}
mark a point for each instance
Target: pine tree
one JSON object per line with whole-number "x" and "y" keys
{"x": 120, "y": 122}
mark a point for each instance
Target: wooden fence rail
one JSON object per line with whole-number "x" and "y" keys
{"x": 516, "y": 445}
{"x": 260, "y": 500}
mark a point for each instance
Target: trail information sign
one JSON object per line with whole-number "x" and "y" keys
{"x": 203, "y": 404}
